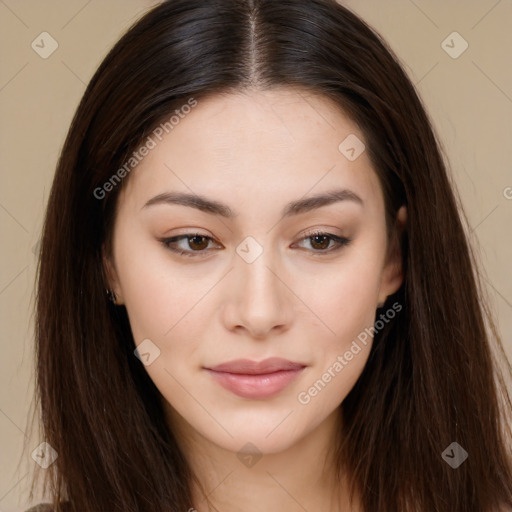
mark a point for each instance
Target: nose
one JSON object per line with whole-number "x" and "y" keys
{"x": 259, "y": 300}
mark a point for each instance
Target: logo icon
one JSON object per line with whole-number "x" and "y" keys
{"x": 454, "y": 455}
{"x": 44, "y": 455}
{"x": 454, "y": 45}
{"x": 249, "y": 455}
{"x": 44, "y": 45}
{"x": 351, "y": 147}
{"x": 147, "y": 352}
{"x": 249, "y": 249}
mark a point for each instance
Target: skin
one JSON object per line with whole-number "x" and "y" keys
{"x": 255, "y": 151}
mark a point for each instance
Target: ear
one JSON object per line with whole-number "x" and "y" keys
{"x": 392, "y": 274}
{"x": 110, "y": 275}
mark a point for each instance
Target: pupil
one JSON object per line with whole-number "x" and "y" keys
{"x": 194, "y": 240}
{"x": 317, "y": 237}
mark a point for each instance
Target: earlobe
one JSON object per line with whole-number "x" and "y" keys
{"x": 392, "y": 275}
{"x": 111, "y": 279}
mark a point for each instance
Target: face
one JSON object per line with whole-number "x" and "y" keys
{"x": 249, "y": 267}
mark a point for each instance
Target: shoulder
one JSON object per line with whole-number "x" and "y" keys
{"x": 47, "y": 507}
{"x": 42, "y": 507}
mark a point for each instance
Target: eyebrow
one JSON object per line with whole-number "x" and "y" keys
{"x": 217, "y": 208}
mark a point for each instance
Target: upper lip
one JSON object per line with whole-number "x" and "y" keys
{"x": 248, "y": 367}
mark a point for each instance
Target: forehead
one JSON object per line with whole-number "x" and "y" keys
{"x": 279, "y": 143}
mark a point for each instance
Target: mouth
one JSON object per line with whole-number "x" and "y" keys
{"x": 256, "y": 380}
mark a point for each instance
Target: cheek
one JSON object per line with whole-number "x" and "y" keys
{"x": 160, "y": 298}
{"x": 163, "y": 306}
{"x": 346, "y": 306}
{"x": 343, "y": 298}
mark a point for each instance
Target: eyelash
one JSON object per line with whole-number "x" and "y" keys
{"x": 341, "y": 241}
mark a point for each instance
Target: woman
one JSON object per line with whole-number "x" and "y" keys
{"x": 255, "y": 289}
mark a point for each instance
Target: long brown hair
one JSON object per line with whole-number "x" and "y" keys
{"x": 432, "y": 377}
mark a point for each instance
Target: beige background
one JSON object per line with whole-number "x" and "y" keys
{"x": 469, "y": 99}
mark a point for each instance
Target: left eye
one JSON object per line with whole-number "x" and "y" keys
{"x": 321, "y": 242}
{"x": 198, "y": 244}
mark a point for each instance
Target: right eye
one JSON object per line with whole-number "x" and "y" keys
{"x": 196, "y": 242}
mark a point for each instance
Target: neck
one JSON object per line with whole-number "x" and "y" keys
{"x": 300, "y": 477}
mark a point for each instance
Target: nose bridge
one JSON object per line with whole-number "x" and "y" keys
{"x": 254, "y": 266}
{"x": 261, "y": 299}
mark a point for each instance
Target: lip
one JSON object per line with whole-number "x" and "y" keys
{"x": 248, "y": 367}
{"x": 256, "y": 380}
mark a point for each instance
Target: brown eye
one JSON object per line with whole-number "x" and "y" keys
{"x": 194, "y": 244}
{"x": 198, "y": 242}
{"x": 320, "y": 241}
{"x": 323, "y": 243}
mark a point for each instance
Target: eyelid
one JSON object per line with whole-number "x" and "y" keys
{"x": 341, "y": 242}
{"x": 166, "y": 241}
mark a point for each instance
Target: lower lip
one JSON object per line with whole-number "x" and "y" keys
{"x": 255, "y": 386}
